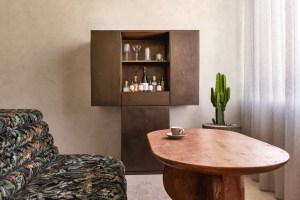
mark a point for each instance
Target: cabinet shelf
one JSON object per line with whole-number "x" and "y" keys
{"x": 145, "y": 61}
{"x": 145, "y": 98}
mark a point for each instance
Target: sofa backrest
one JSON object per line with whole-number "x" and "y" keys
{"x": 26, "y": 148}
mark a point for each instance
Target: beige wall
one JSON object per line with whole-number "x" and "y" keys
{"x": 45, "y": 63}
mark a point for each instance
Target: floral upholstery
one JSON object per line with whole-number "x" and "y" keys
{"x": 78, "y": 177}
{"x": 31, "y": 168}
{"x": 17, "y": 179}
{"x": 17, "y": 118}
{"x": 15, "y": 138}
{"x": 18, "y": 157}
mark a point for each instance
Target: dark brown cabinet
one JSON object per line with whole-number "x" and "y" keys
{"x": 180, "y": 67}
{"x": 143, "y": 112}
{"x": 105, "y": 68}
{"x": 184, "y": 70}
{"x": 137, "y": 121}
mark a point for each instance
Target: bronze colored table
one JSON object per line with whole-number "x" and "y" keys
{"x": 209, "y": 164}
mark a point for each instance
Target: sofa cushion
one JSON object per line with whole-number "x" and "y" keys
{"x": 21, "y": 155}
{"x": 78, "y": 177}
{"x": 10, "y": 118}
{"x": 17, "y": 179}
{"x": 16, "y": 138}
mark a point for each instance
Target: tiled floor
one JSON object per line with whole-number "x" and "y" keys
{"x": 149, "y": 187}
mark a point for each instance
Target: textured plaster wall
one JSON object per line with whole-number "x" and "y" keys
{"x": 45, "y": 63}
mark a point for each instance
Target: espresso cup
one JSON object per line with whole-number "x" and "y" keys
{"x": 176, "y": 130}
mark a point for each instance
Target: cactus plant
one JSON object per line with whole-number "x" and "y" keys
{"x": 219, "y": 98}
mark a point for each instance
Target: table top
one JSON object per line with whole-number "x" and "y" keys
{"x": 216, "y": 152}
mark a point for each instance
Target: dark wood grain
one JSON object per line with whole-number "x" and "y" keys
{"x": 184, "y": 69}
{"x": 105, "y": 68}
{"x": 145, "y": 99}
{"x": 217, "y": 152}
{"x": 145, "y": 35}
{"x": 137, "y": 121}
{"x": 185, "y": 185}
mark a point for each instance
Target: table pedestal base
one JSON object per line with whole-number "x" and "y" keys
{"x": 184, "y": 185}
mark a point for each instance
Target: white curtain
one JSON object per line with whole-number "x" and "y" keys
{"x": 271, "y": 102}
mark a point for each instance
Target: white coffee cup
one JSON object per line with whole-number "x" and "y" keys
{"x": 176, "y": 130}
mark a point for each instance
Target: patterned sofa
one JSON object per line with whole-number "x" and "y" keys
{"x": 31, "y": 167}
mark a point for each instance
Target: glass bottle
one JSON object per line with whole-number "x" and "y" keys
{"x": 158, "y": 87}
{"x": 141, "y": 87}
{"x": 162, "y": 84}
{"x": 150, "y": 88}
{"x": 135, "y": 84}
{"x": 154, "y": 83}
{"x": 145, "y": 80}
{"x": 131, "y": 87}
{"x": 126, "y": 87}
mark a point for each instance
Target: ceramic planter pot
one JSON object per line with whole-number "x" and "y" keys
{"x": 227, "y": 127}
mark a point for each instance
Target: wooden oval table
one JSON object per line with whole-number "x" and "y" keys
{"x": 209, "y": 164}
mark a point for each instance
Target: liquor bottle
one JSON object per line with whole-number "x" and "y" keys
{"x": 135, "y": 84}
{"x": 131, "y": 87}
{"x": 162, "y": 84}
{"x": 158, "y": 87}
{"x": 141, "y": 88}
{"x": 126, "y": 87}
{"x": 154, "y": 83}
{"x": 150, "y": 88}
{"x": 145, "y": 80}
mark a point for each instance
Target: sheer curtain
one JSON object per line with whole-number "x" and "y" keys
{"x": 271, "y": 102}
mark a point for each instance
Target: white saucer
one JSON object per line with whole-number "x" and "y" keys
{"x": 170, "y": 135}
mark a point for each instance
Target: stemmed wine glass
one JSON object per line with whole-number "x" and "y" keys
{"x": 136, "y": 48}
{"x": 126, "y": 50}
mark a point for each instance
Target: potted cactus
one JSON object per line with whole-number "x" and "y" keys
{"x": 219, "y": 99}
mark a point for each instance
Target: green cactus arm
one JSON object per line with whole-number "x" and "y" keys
{"x": 218, "y": 77}
{"x": 213, "y": 97}
{"x": 228, "y": 94}
{"x": 223, "y": 82}
{"x": 225, "y": 96}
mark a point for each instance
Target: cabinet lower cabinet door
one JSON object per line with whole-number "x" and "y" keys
{"x": 137, "y": 121}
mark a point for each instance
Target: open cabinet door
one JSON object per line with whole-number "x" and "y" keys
{"x": 184, "y": 67}
{"x": 105, "y": 68}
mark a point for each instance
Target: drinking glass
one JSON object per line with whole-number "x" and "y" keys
{"x": 136, "y": 48}
{"x": 126, "y": 50}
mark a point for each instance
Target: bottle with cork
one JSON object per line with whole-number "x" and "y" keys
{"x": 126, "y": 87}
{"x": 150, "y": 88}
{"x": 135, "y": 84}
{"x": 162, "y": 83}
{"x": 131, "y": 87}
{"x": 154, "y": 83}
{"x": 158, "y": 87}
{"x": 145, "y": 80}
